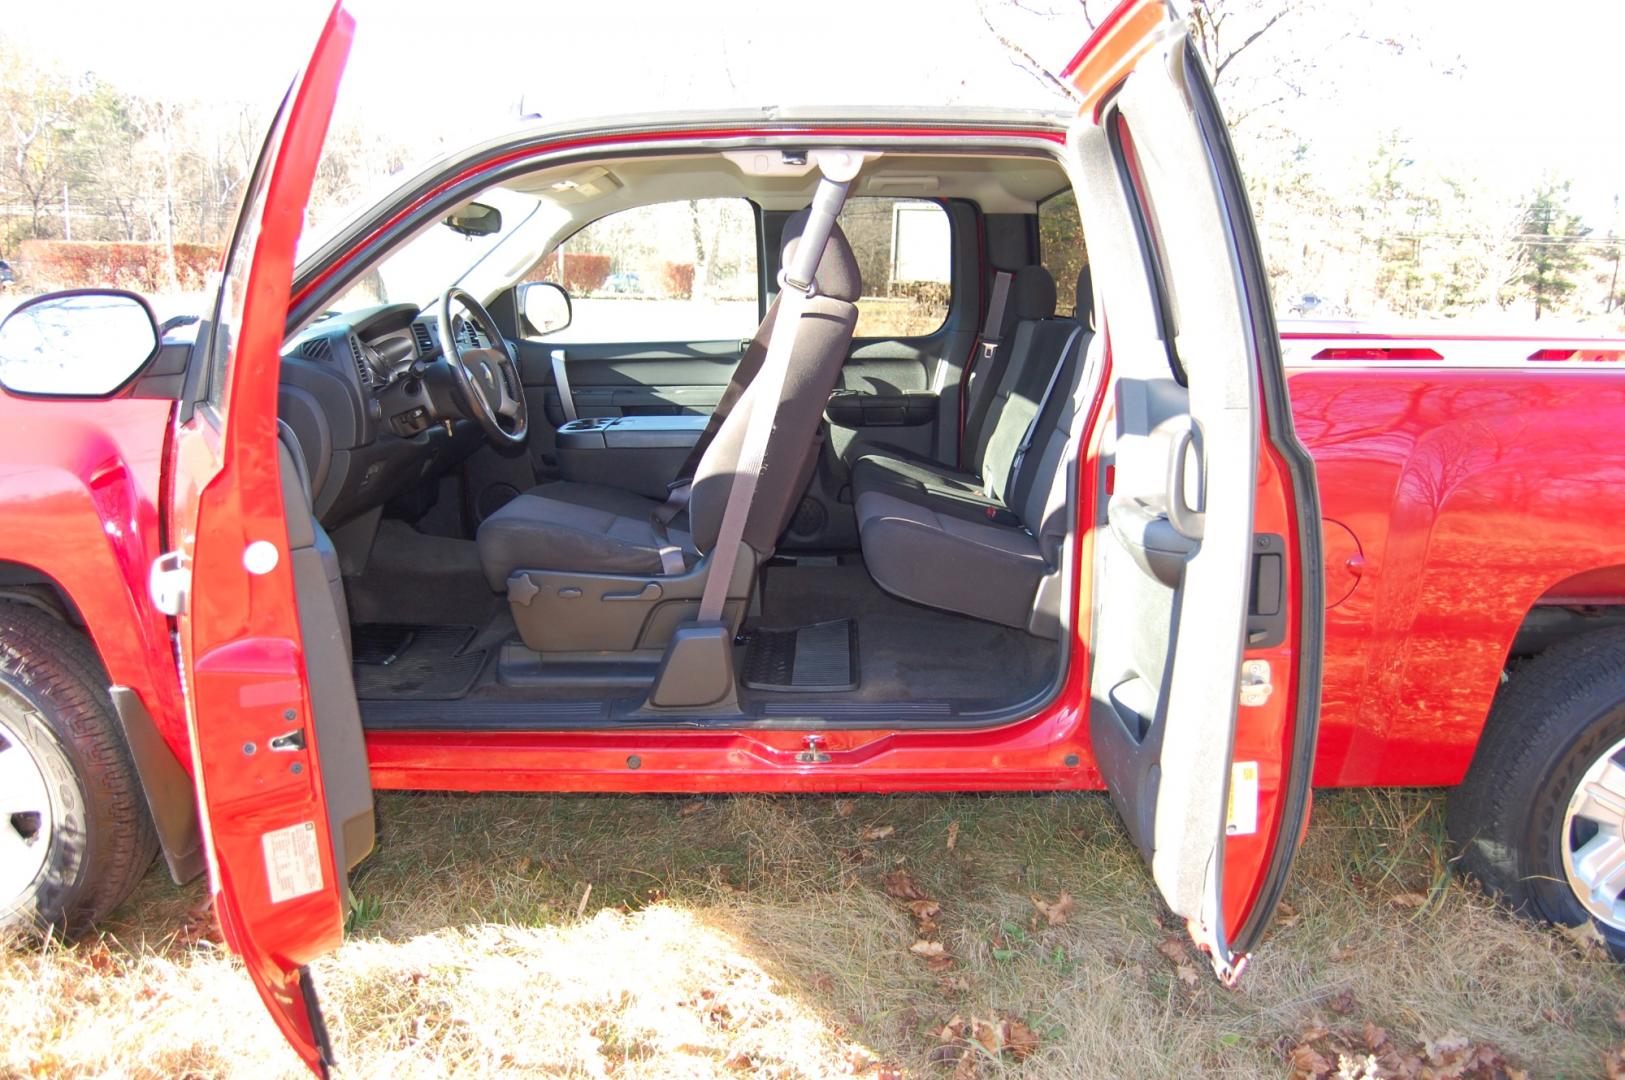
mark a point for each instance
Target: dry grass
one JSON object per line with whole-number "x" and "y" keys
{"x": 753, "y": 937}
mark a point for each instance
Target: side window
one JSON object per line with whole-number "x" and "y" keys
{"x": 904, "y": 249}
{"x": 674, "y": 271}
{"x": 1060, "y": 246}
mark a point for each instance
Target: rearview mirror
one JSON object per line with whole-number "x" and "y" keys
{"x": 475, "y": 219}
{"x": 546, "y": 307}
{"x": 83, "y": 343}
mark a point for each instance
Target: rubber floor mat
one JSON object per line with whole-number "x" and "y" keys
{"x": 423, "y": 662}
{"x": 819, "y": 658}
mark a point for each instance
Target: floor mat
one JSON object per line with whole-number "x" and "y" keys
{"x": 423, "y": 662}
{"x": 821, "y": 658}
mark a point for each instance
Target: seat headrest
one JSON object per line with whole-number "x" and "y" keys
{"x": 1032, "y": 293}
{"x": 837, "y": 274}
{"x": 1085, "y": 311}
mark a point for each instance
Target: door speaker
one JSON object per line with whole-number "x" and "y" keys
{"x": 810, "y": 519}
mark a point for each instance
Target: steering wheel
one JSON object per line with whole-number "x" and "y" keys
{"x": 486, "y": 379}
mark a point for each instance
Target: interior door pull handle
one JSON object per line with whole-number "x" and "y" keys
{"x": 561, "y": 383}
{"x": 1186, "y": 521}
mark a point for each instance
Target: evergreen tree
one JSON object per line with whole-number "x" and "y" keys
{"x": 1549, "y": 252}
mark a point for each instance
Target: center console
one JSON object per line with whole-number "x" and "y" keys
{"x": 636, "y": 453}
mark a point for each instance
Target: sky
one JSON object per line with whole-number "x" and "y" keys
{"x": 1503, "y": 90}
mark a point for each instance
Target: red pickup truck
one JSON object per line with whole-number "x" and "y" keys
{"x": 438, "y": 505}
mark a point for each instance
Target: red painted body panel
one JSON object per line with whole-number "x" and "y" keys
{"x": 80, "y": 487}
{"x": 1472, "y": 494}
{"x": 1457, "y": 498}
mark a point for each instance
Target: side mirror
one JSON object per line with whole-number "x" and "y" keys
{"x": 82, "y": 343}
{"x": 475, "y": 219}
{"x": 546, "y": 307}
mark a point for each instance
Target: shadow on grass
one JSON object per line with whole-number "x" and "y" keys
{"x": 651, "y": 936}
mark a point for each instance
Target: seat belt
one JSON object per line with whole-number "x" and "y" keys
{"x": 1043, "y": 403}
{"x": 750, "y": 362}
{"x": 993, "y": 325}
{"x": 987, "y": 345}
{"x": 797, "y": 288}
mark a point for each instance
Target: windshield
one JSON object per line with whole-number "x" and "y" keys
{"x": 438, "y": 257}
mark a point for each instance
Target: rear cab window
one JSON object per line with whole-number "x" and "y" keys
{"x": 1060, "y": 247}
{"x": 904, "y": 249}
{"x": 674, "y": 271}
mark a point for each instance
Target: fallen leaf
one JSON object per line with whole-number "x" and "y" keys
{"x": 926, "y": 948}
{"x": 844, "y": 807}
{"x": 1375, "y": 1037}
{"x": 1343, "y": 1002}
{"x": 1020, "y": 1040}
{"x": 925, "y": 909}
{"x": 1408, "y": 900}
{"x": 877, "y": 832}
{"x": 689, "y": 809}
{"x": 1613, "y": 1063}
{"x": 953, "y": 834}
{"x": 1173, "y": 948}
{"x": 1187, "y": 974}
{"x": 939, "y": 963}
{"x": 1448, "y": 1051}
{"x": 856, "y": 1059}
{"x": 1057, "y": 912}
{"x": 968, "y": 1068}
{"x": 900, "y": 885}
{"x": 1307, "y": 1062}
{"x": 889, "y": 1072}
{"x": 738, "y": 1060}
{"x": 823, "y": 983}
{"x": 987, "y": 1034}
{"x": 953, "y": 1030}
{"x": 1585, "y": 937}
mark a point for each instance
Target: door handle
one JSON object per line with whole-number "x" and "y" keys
{"x": 1187, "y": 522}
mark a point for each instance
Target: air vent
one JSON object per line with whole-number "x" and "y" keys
{"x": 471, "y": 336}
{"x": 316, "y": 348}
{"x": 363, "y": 372}
{"x": 425, "y": 340}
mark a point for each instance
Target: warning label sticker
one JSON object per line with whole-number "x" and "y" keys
{"x": 1242, "y": 817}
{"x": 293, "y": 864}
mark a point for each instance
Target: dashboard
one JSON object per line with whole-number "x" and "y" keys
{"x": 365, "y": 395}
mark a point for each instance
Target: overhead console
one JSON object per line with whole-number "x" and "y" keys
{"x": 637, "y": 453}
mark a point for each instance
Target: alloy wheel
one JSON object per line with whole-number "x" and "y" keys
{"x": 25, "y": 817}
{"x": 1594, "y": 839}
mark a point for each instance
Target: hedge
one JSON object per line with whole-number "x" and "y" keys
{"x": 583, "y": 273}
{"x": 77, "y": 264}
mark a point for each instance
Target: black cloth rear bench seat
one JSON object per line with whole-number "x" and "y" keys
{"x": 986, "y": 541}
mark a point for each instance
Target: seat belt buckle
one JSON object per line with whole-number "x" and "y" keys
{"x": 998, "y": 515}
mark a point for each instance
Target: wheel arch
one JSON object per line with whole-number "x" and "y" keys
{"x": 165, "y": 782}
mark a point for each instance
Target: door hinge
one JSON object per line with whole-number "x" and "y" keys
{"x": 1255, "y": 682}
{"x": 169, "y": 582}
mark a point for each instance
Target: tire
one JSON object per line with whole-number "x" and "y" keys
{"x": 1553, "y": 722}
{"x": 76, "y": 836}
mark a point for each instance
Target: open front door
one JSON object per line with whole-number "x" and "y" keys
{"x": 1206, "y": 582}
{"x": 276, "y": 743}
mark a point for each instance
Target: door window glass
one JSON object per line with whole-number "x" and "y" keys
{"x": 904, "y": 249}
{"x": 673, "y": 271}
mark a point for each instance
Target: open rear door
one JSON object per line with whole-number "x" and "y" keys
{"x": 277, "y": 750}
{"x": 1206, "y": 583}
